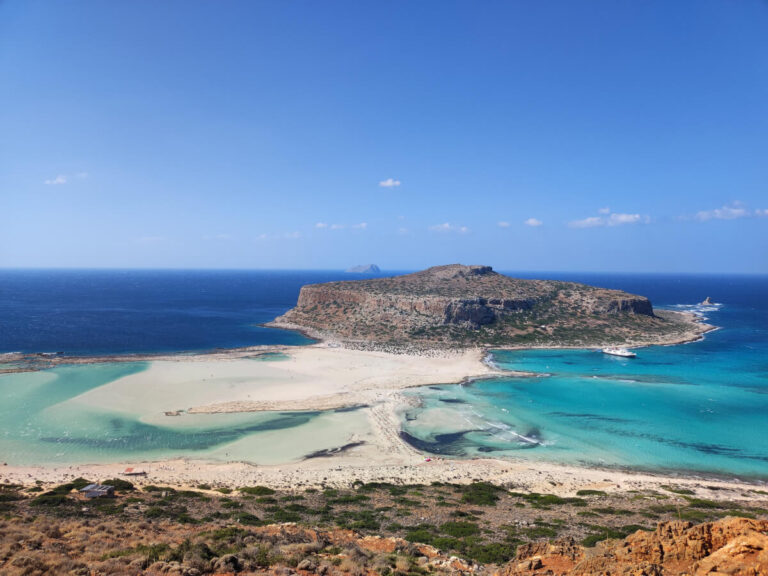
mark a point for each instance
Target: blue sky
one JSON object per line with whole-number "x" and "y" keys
{"x": 607, "y": 135}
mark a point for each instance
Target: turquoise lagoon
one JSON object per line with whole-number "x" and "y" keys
{"x": 42, "y": 423}
{"x": 700, "y": 407}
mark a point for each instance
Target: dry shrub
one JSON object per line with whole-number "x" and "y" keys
{"x": 351, "y": 567}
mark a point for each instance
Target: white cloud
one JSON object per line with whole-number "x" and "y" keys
{"x": 605, "y": 210}
{"x": 590, "y": 222}
{"x": 292, "y": 235}
{"x": 503, "y": 224}
{"x": 60, "y": 179}
{"x": 533, "y": 222}
{"x": 218, "y": 237}
{"x": 619, "y": 219}
{"x": 390, "y": 183}
{"x": 262, "y": 237}
{"x": 325, "y": 225}
{"x": 609, "y": 218}
{"x": 759, "y": 212}
{"x": 448, "y": 227}
{"x": 729, "y": 212}
{"x": 64, "y": 178}
{"x": 402, "y": 231}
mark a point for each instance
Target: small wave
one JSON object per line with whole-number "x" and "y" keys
{"x": 699, "y": 310}
{"x": 499, "y": 425}
{"x": 512, "y": 436}
{"x": 489, "y": 360}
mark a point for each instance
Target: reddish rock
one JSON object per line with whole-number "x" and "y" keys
{"x": 733, "y": 546}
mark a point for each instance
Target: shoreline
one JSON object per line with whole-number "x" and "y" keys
{"x": 36, "y": 361}
{"x": 344, "y": 469}
{"x": 372, "y": 381}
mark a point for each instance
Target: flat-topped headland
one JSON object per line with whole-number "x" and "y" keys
{"x": 457, "y": 306}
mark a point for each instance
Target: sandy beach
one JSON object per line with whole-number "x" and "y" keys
{"x": 364, "y": 446}
{"x": 361, "y": 464}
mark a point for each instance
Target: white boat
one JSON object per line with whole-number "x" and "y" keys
{"x": 615, "y": 351}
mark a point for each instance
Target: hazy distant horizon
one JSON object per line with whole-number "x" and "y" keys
{"x": 384, "y": 271}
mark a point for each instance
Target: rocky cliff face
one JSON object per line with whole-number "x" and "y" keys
{"x": 463, "y": 305}
{"x": 735, "y": 546}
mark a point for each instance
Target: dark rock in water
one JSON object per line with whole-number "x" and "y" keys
{"x": 707, "y": 301}
{"x": 364, "y": 269}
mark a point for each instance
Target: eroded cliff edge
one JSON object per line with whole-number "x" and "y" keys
{"x": 460, "y": 306}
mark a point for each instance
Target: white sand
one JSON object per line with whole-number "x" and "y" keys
{"x": 311, "y": 378}
{"x": 360, "y": 464}
{"x": 322, "y": 377}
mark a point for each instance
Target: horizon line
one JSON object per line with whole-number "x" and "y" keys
{"x": 383, "y": 272}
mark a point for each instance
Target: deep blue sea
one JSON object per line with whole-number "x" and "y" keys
{"x": 99, "y": 312}
{"x": 700, "y": 406}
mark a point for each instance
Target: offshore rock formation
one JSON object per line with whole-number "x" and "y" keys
{"x": 364, "y": 269}
{"x": 459, "y": 305}
{"x": 735, "y": 546}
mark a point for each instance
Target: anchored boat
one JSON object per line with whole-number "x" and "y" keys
{"x": 615, "y": 351}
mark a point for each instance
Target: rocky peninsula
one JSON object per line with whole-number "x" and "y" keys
{"x": 457, "y": 306}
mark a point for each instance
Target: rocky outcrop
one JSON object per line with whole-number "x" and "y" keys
{"x": 364, "y": 269}
{"x": 465, "y": 305}
{"x": 734, "y": 546}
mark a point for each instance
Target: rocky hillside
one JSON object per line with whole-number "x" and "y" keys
{"x": 455, "y": 305}
{"x": 378, "y": 529}
{"x": 735, "y": 546}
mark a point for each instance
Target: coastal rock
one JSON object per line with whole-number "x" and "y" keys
{"x": 735, "y": 546}
{"x": 461, "y": 306}
{"x": 227, "y": 563}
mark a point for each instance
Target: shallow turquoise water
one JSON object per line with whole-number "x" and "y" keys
{"x": 700, "y": 406}
{"x": 39, "y": 426}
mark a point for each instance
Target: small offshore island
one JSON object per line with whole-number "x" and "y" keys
{"x": 459, "y": 307}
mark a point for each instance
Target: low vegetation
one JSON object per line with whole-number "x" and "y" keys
{"x": 205, "y": 529}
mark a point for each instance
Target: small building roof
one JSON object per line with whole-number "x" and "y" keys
{"x": 97, "y": 489}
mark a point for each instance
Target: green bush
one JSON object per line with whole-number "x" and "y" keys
{"x": 606, "y": 532}
{"x": 424, "y": 534}
{"x": 120, "y": 484}
{"x": 257, "y": 490}
{"x": 247, "y": 519}
{"x": 480, "y": 494}
{"x": 460, "y": 529}
{"x": 545, "y": 500}
{"x": 50, "y": 499}
{"x": 591, "y": 493}
{"x": 492, "y": 553}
